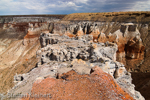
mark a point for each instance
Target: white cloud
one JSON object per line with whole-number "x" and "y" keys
{"x": 141, "y": 6}
{"x": 31, "y": 6}
{"x": 81, "y": 1}
{"x": 69, "y": 6}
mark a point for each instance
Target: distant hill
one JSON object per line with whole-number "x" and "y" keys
{"x": 57, "y": 16}
{"x": 137, "y": 16}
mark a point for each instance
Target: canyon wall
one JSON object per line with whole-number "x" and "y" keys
{"x": 127, "y": 36}
{"x": 20, "y": 39}
{"x": 139, "y": 18}
{"x": 76, "y": 60}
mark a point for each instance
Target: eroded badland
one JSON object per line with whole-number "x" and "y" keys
{"x": 76, "y": 56}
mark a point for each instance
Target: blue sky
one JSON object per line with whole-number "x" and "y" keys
{"x": 24, "y": 7}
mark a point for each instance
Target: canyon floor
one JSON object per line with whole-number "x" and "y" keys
{"x": 83, "y": 51}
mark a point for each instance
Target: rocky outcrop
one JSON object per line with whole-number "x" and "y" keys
{"x": 67, "y": 49}
{"x": 19, "y": 41}
{"x": 34, "y": 31}
{"x": 71, "y": 85}
{"x": 60, "y": 55}
{"x": 127, "y": 37}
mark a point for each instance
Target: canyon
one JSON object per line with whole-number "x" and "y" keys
{"x": 69, "y": 49}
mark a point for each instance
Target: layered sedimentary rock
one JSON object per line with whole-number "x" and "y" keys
{"x": 127, "y": 37}
{"x": 23, "y": 45}
{"x": 19, "y": 41}
{"x": 34, "y": 31}
{"x": 60, "y": 55}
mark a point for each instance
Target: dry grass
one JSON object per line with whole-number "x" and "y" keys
{"x": 136, "y": 16}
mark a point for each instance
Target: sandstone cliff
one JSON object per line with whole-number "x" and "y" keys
{"x": 72, "y": 61}
{"x": 126, "y": 35}
{"x": 19, "y": 41}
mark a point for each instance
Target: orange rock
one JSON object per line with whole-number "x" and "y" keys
{"x": 96, "y": 86}
{"x": 94, "y": 46}
{"x": 95, "y": 34}
{"x": 135, "y": 49}
{"x": 80, "y": 33}
{"x": 69, "y": 34}
{"x": 102, "y": 38}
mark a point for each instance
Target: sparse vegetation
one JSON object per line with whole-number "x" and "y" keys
{"x": 136, "y": 16}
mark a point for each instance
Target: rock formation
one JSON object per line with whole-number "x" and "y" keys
{"x": 20, "y": 40}
{"x": 71, "y": 85}
{"x": 60, "y": 55}
{"x": 127, "y": 37}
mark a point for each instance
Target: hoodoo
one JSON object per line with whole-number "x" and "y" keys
{"x": 75, "y": 56}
